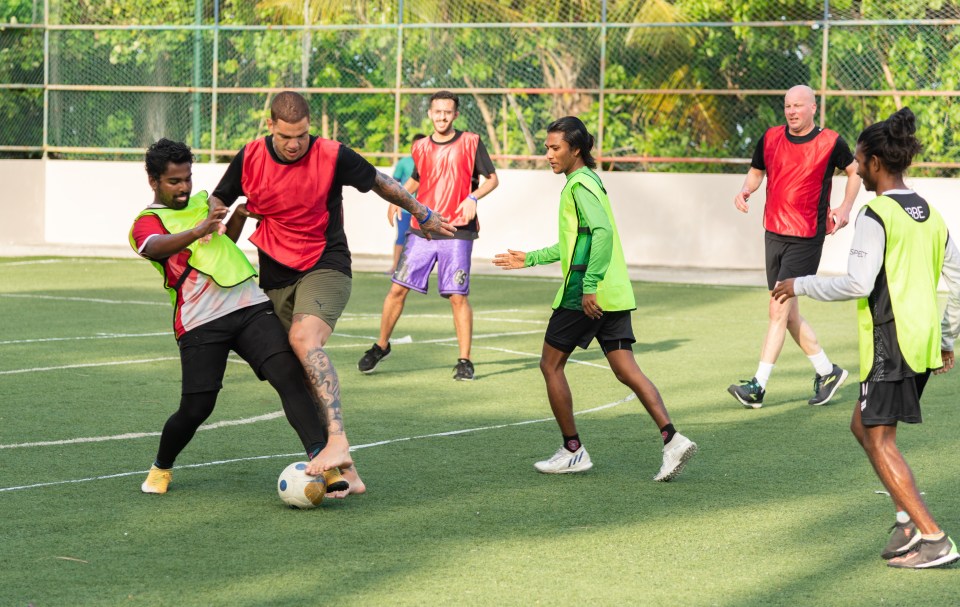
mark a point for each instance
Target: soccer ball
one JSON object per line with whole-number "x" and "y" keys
{"x": 297, "y": 489}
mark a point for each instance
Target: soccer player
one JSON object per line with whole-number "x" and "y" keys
{"x": 799, "y": 160}
{"x": 594, "y": 302}
{"x": 401, "y": 173}
{"x": 217, "y": 308}
{"x": 900, "y": 249}
{"x": 294, "y": 183}
{"x": 446, "y": 177}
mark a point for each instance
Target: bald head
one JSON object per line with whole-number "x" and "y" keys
{"x": 799, "y": 106}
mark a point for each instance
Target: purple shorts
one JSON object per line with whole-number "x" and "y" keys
{"x": 451, "y": 256}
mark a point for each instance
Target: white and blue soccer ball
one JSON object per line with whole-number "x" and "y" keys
{"x": 298, "y": 489}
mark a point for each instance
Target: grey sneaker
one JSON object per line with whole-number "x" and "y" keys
{"x": 463, "y": 371}
{"x": 928, "y": 553}
{"x": 749, "y": 393}
{"x": 676, "y": 454}
{"x": 372, "y": 357}
{"x": 904, "y": 536}
{"x": 825, "y": 386}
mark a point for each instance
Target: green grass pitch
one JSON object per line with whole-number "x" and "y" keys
{"x": 778, "y": 508}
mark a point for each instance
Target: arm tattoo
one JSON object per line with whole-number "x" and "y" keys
{"x": 322, "y": 377}
{"x": 392, "y": 191}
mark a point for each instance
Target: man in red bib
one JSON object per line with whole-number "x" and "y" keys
{"x": 799, "y": 161}
{"x": 446, "y": 176}
{"x": 293, "y": 183}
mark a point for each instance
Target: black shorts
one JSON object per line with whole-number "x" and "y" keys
{"x": 884, "y": 403}
{"x": 255, "y": 333}
{"x": 790, "y": 259}
{"x": 571, "y": 328}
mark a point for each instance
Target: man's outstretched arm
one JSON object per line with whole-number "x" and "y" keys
{"x": 431, "y": 223}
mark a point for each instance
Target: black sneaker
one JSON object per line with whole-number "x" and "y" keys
{"x": 372, "y": 357}
{"x": 825, "y": 386}
{"x": 904, "y": 537}
{"x": 463, "y": 371}
{"x": 928, "y": 553}
{"x": 749, "y": 393}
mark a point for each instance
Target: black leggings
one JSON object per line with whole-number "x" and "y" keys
{"x": 285, "y": 374}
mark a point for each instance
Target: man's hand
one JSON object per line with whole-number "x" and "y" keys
{"x": 393, "y": 213}
{"x": 948, "y": 360}
{"x": 590, "y": 306}
{"x": 436, "y": 225}
{"x": 783, "y": 290}
{"x": 841, "y": 217}
{"x": 213, "y": 223}
{"x": 466, "y": 210}
{"x": 511, "y": 260}
{"x": 244, "y": 212}
{"x": 740, "y": 200}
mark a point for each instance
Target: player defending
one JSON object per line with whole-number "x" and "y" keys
{"x": 293, "y": 183}
{"x": 900, "y": 248}
{"x": 446, "y": 177}
{"x": 217, "y": 308}
{"x": 799, "y": 161}
{"x": 594, "y": 302}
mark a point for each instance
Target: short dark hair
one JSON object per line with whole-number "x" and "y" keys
{"x": 577, "y": 137}
{"x": 446, "y": 95}
{"x": 165, "y": 152}
{"x": 893, "y": 141}
{"x": 290, "y": 107}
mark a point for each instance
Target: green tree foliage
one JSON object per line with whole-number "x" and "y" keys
{"x": 623, "y": 62}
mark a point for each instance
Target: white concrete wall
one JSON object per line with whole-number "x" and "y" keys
{"x": 665, "y": 219}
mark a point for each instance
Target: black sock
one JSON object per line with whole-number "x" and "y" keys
{"x": 667, "y": 433}
{"x": 571, "y": 443}
{"x": 314, "y": 451}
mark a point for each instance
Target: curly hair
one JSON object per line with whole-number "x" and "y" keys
{"x": 893, "y": 141}
{"x": 165, "y": 152}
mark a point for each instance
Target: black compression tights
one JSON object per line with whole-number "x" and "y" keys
{"x": 285, "y": 374}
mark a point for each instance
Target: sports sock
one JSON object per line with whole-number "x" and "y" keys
{"x": 763, "y": 374}
{"x": 667, "y": 433}
{"x": 903, "y": 517}
{"x": 821, "y": 363}
{"x": 933, "y": 537}
{"x": 571, "y": 443}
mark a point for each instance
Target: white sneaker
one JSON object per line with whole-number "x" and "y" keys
{"x": 564, "y": 462}
{"x": 676, "y": 454}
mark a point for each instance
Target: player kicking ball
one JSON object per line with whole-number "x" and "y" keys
{"x": 900, "y": 249}
{"x": 594, "y": 302}
{"x": 218, "y": 307}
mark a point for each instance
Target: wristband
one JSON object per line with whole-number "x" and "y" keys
{"x": 472, "y": 197}
{"x": 427, "y": 218}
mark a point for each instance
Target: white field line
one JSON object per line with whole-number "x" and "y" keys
{"x": 105, "y": 364}
{"x": 123, "y": 302}
{"x": 391, "y": 441}
{"x": 83, "y": 337}
{"x": 85, "y": 261}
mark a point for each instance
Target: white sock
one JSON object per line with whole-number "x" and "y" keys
{"x": 903, "y": 517}
{"x": 763, "y": 373}
{"x": 821, "y": 363}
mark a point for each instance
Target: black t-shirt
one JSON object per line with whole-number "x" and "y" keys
{"x": 351, "y": 170}
{"x": 840, "y": 159}
{"x": 482, "y": 166}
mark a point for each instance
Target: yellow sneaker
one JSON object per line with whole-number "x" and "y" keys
{"x": 157, "y": 481}
{"x": 335, "y": 480}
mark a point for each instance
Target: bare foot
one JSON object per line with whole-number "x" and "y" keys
{"x": 356, "y": 485}
{"x": 335, "y": 455}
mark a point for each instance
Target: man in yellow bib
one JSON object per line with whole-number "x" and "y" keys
{"x": 900, "y": 249}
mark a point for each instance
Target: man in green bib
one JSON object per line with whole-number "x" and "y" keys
{"x": 594, "y": 302}
{"x": 218, "y": 307}
{"x": 900, "y": 249}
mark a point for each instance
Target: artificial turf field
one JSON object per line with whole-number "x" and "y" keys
{"x": 778, "y": 508}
